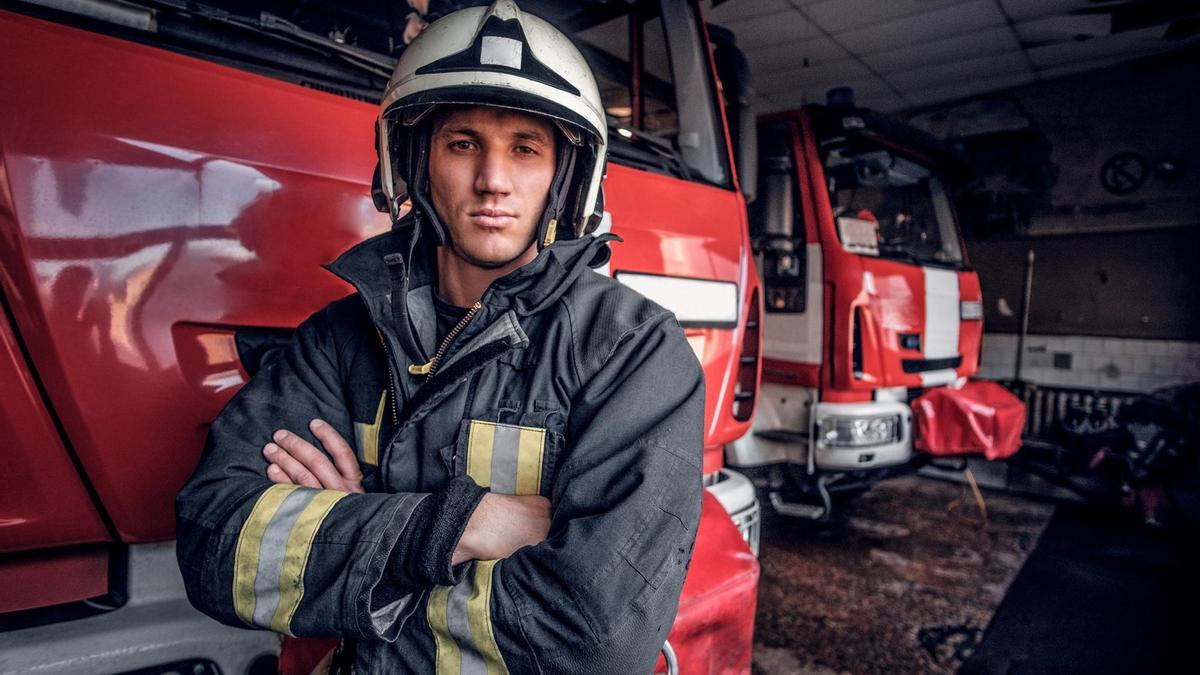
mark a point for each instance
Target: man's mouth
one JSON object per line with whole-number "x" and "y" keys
{"x": 492, "y": 217}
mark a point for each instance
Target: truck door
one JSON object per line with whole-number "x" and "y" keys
{"x": 671, "y": 192}
{"x": 52, "y": 540}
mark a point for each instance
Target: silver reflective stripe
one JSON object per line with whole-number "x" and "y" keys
{"x": 504, "y": 459}
{"x": 500, "y": 51}
{"x": 271, "y": 553}
{"x": 460, "y": 627}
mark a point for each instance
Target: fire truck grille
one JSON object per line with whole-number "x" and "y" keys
{"x": 926, "y": 365}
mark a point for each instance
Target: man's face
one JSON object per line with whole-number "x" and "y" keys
{"x": 489, "y": 175}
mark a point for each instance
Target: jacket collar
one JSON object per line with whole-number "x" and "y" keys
{"x": 526, "y": 290}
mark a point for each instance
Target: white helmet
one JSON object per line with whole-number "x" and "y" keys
{"x": 496, "y": 56}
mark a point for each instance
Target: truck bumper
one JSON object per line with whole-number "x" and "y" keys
{"x": 156, "y": 627}
{"x": 736, "y": 494}
{"x": 714, "y": 628}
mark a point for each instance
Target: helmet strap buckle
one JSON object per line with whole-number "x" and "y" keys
{"x": 394, "y": 205}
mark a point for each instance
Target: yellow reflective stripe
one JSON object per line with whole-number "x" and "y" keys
{"x": 529, "y": 461}
{"x": 295, "y": 557}
{"x": 480, "y": 437}
{"x": 245, "y": 556}
{"x": 368, "y": 434}
{"x": 439, "y": 624}
{"x": 479, "y": 616}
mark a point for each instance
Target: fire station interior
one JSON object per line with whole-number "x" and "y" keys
{"x": 967, "y": 396}
{"x": 1070, "y": 127}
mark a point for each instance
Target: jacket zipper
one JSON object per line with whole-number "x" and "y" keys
{"x": 429, "y": 368}
{"x": 391, "y": 380}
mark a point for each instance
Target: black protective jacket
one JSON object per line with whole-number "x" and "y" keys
{"x": 564, "y": 383}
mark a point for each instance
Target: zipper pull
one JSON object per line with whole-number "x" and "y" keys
{"x": 422, "y": 369}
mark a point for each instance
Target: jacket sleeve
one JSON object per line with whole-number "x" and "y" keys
{"x": 601, "y": 593}
{"x": 296, "y": 560}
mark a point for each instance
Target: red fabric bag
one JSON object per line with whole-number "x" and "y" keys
{"x": 982, "y": 417}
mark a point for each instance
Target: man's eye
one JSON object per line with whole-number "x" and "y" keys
{"x": 461, "y": 145}
{"x": 526, "y": 150}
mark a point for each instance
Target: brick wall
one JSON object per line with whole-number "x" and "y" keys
{"x": 1093, "y": 362}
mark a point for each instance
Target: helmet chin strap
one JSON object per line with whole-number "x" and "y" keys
{"x": 550, "y": 223}
{"x": 419, "y": 192}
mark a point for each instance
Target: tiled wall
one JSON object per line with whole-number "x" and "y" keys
{"x": 1093, "y": 362}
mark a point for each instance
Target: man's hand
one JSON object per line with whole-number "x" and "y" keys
{"x": 296, "y": 461}
{"x": 501, "y": 524}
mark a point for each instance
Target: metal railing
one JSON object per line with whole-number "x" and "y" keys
{"x": 1046, "y": 406}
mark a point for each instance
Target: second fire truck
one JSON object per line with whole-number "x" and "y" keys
{"x": 869, "y": 298}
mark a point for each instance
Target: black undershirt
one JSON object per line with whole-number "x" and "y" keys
{"x": 448, "y": 316}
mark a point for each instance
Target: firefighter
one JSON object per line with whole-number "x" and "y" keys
{"x": 488, "y": 459}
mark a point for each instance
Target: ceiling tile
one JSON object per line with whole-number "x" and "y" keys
{"x": 1020, "y": 10}
{"x": 1124, "y": 44}
{"x": 772, "y": 30}
{"x": 733, "y": 12}
{"x": 1083, "y": 66}
{"x": 838, "y": 16}
{"x": 950, "y": 72}
{"x": 818, "y": 51}
{"x": 829, "y": 75}
{"x": 1064, "y": 27}
{"x": 934, "y": 25}
{"x": 883, "y": 101}
{"x": 966, "y": 88}
{"x": 984, "y": 42}
{"x": 766, "y": 104}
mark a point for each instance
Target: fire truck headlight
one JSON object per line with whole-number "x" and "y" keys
{"x": 858, "y": 432}
{"x": 970, "y": 310}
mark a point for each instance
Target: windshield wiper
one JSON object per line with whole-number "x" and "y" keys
{"x": 281, "y": 29}
{"x": 660, "y": 147}
{"x": 365, "y": 59}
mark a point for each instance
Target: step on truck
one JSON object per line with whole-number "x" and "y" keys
{"x": 869, "y": 300}
{"x": 172, "y": 176}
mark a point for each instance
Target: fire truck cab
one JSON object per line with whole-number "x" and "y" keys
{"x": 869, "y": 300}
{"x": 172, "y": 177}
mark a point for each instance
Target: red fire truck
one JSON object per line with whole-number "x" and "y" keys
{"x": 172, "y": 175}
{"x": 869, "y": 297}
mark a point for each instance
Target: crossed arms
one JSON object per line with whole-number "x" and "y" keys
{"x": 585, "y": 582}
{"x": 499, "y": 525}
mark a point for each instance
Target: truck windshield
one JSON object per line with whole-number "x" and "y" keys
{"x": 891, "y": 206}
{"x": 639, "y": 51}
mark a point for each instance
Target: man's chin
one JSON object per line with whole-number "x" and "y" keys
{"x": 489, "y": 260}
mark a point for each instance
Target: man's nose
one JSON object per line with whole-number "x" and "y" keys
{"x": 494, "y": 174}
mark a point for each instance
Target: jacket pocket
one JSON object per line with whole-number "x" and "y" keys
{"x": 507, "y": 458}
{"x": 661, "y": 545}
{"x": 654, "y": 549}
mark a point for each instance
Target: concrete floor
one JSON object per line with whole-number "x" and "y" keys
{"x": 896, "y": 584}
